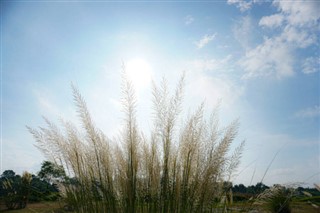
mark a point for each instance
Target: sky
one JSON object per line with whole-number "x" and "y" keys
{"x": 259, "y": 60}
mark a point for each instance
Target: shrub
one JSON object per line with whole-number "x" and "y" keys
{"x": 175, "y": 168}
{"x": 17, "y": 191}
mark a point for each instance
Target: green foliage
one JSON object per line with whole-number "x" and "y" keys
{"x": 277, "y": 198}
{"x": 310, "y": 195}
{"x": 16, "y": 189}
{"x": 250, "y": 190}
{"x": 51, "y": 171}
{"x": 8, "y": 174}
{"x": 41, "y": 190}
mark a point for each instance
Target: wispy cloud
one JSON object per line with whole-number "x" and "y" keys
{"x": 272, "y": 21}
{"x": 210, "y": 81}
{"x": 211, "y": 64}
{"x": 243, "y": 31}
{"x": 188, "y": 20}
{"x": 310, "y": 112}
{"x": 243, "y": 5}
{"x": 271, "y": 58}
{"x": 215, "y": 89}
{"x": 275, "y": 56}
{"x": 205, "y": 40}
{"x": 311, "y": 65}
{"x": 299, "y": 13}
{"x": 45, "y": 104}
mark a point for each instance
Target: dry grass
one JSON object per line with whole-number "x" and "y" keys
{"x": 174, "y": 168}
{"x": 43, "y": 207}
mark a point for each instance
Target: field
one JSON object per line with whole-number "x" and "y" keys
{"x": 43, "y": 207}
{"x": 297, "y": 207}
{"x": 56, "y": 207}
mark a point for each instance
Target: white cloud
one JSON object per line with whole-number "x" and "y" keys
{"x": 272, "y": 21}
{"x": 310, "y": 112}
{"x": 243, "y": 5}
{"x": 54, "y": 107}
{"x": 299, "y": 13}
{"x": 271, "y": 58}
{"x": 214, "y": 89}
{"x": 211, "y": 64}
{"x": 275, "y": 56}
{"x": 188, "y": 20}
{"x": 210, "y": 82}
{"x": 243, "y": 31}
{"x": 205, "y": 40}
{"x": 299, "y": 38}
{"x": 293, "y": 13}
{"x": 311, "y": 65}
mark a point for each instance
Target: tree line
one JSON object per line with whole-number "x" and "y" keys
{"x": 243, "y": 193}
{"x": 17, "y": 190}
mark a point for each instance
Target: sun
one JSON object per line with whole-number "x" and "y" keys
{"x": 139, "y": 72}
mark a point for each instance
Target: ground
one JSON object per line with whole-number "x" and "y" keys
{"x": 43, "y": 207}
{"x": 56, "y": 207}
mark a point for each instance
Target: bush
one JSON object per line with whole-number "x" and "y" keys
{"x": 16, "y": 191}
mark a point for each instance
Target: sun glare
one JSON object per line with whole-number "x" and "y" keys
{"x": 139, "y": 72}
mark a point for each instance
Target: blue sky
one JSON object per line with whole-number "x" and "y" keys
{"x": 258, "y": 59}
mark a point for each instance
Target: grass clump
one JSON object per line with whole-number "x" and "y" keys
{"x": 174, "y": 168}
{"x": 277, "y": 199}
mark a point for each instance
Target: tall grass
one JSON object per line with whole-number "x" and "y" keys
{"x": 277, "y": 199}
{"x": 174, "y": 168}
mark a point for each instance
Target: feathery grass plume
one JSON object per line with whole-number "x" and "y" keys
{"x": 25, "y": 190}
{"x": 277, "y": 199}
{"x": 312, "y": 198}
{"x": 174, "y": 168}
{"x": 166, "y": 110}
{"x": 131, "y": 140}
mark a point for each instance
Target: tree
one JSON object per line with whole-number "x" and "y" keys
{"x": 25, "y": 189}
{"x": 239, "y": 188}
{"x": 51, "y": 172}
{"x": 8, "y": 174}
{"x": 260, "y": 187}
{"x": 42, "y": 190}
{"x": 16, "y": 189}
